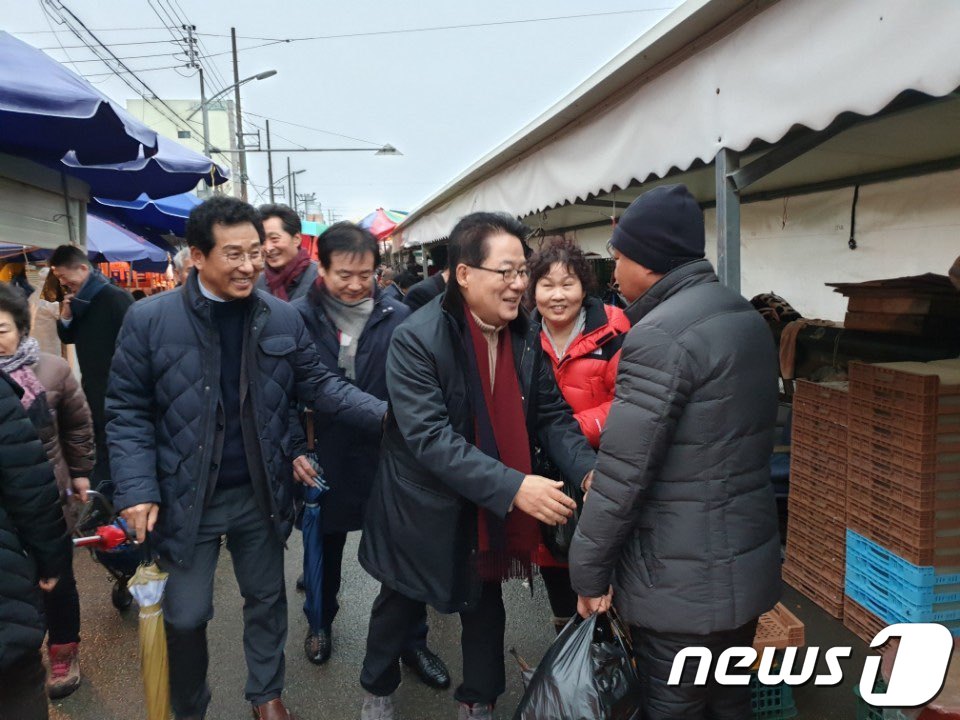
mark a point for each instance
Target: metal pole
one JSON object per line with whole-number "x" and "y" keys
{"x": 269, "y": 163}
{"x": 236, "y": 99}
{"x": 296, "y": 205}
{"x": 289, "y": 182}
{"x": 728, "y": 220}
{"x": 204, "y": 188}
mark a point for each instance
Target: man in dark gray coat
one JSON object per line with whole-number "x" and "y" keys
{"x": 680, "y": 518}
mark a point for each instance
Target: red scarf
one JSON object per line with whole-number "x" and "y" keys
{"x": 279, "y": 280}
{"x": 505, "y": 549}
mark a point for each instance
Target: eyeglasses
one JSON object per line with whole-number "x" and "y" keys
{"x": 508, "y": 275}
{"x": 236, "y": 257}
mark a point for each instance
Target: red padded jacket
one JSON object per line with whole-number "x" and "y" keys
{"x": 587, "y": 372}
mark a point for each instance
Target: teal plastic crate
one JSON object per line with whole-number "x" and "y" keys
{"x": 771, "y": 702}
{"x": 869, "y": 712}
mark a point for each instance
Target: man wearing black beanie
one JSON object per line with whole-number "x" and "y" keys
{"x": 680, "y": 519}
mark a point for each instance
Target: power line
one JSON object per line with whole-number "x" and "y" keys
{"x": 403, "y": 31}
{"x": 123, "y": 44}
{"x": 102, "y": 30}
{"x": 307, "y": 127}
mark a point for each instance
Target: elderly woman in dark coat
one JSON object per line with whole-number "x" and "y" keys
{"x": 58, "y": 409}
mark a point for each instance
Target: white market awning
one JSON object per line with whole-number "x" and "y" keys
{"x": 714, "y": 74}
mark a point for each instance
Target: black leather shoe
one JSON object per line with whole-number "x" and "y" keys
{"x": 428, "y": 666}
{"x": 318, "y": 647}
{"x": 300, "y": 586}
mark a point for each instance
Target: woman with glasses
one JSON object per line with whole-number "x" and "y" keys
{"x": 58, "y": 409}
{"x": 582, "y": 337}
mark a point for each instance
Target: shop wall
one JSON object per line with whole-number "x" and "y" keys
{"x": 794, "y": 246}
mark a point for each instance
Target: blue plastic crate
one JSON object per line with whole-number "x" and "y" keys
{"x": 875, "y": 603}
{"x": 909, "y": 593}
{"x": 879, "y": 556}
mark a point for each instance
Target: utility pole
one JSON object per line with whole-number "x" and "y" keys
{"x": 289, "y": 181}
{"x": 236, "y": 99}
{"x": 191, "y": 49}
{"x": 269, "y": 163}
{"x": 296, "y": 205}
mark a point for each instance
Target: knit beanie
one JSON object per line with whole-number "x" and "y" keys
{"x": 662, "y": 229}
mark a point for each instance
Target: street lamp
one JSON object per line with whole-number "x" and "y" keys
{"x": 205, "y": 104}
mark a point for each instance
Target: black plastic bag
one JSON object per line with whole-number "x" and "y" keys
{"x": 557, "y": 538}
{"x": 587, "y": 674}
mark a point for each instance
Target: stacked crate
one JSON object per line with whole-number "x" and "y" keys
{"x": 816, "y": 531}
{"x": 903, "y": 497}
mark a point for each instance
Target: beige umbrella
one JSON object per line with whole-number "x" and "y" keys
{"x": 147, "y": 587}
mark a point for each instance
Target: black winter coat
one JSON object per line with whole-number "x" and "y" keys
{"x": 33, "y": 534}
{"x": 349, "y": 463}
{"x": 420, "y": 532}
{"x": 424, "y": 291}
{"x": 95, "y": 336}
{"x": 299, "y": 287}
{"x": 165, "y": 423}
{"x": 681, "y": 518}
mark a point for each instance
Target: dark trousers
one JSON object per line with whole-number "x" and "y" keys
{"x": 686, "y": 701}
{"x": 62, "y": 608}
{"x": 563, "y": 600}
{"x": 23, "y": 694}
{"x": 393, "y": 618}
{"x": 188, "y": 602}
{"x": 332, "y": 575}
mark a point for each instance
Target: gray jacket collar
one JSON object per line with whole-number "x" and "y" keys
{"x": 696, "y": 272}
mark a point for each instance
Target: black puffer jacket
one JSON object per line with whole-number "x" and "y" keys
{"x": 33, "y": 539}
{"x": 165, "y": 428}
{"x": 681, "y": 518}
{"x": 420, "y": 532}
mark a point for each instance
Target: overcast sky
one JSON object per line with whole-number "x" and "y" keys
{"x": 444, "y": 97}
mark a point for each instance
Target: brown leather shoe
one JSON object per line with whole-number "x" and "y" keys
{"x": 273, "y": 710}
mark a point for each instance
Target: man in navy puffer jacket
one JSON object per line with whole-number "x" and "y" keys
{"x": 204, "y": 442}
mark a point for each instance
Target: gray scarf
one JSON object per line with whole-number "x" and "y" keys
{"x": 578, "y": 326}
{"x": 349, "y": 319}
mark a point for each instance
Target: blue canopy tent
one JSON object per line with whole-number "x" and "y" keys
{"x": 167, "y": 214}
{"x": 107, "y": 241}
{"x": 173, "y": 170}
{"x": 46, "y": 110}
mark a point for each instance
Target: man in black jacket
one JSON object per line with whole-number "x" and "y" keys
{"x": 352, "y": 323}
{"x": 90, "y": 318}
{"x": 455, "y": 503}
{"x": 203, "y": 434}
{"x": 33, "y": 542}
{"x": 681, "y": 517}
{"x": 426, "y": 290}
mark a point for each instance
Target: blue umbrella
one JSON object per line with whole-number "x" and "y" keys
{"x": 117, "y": 244}
{"x": 46, "y": 111}
{"x": 165, "y": 214}
{"x": 173, "y": 170}
{"x": 312, "y": 528}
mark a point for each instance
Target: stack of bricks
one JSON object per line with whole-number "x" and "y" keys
{"x": 816, "y": 511}
{"x": 903, "y": 495}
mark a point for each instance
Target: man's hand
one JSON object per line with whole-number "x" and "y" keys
{"x": 544, "y": 500}
{"x": 66, "y": 312}
{"x": 303, "y": 471}
{"x": 81, "y": 486}
{"x": 587, "y": 484}
{"x": 587, "y": 606}
{"x": 48, "y": 584}
{"x": 141, "y": 519}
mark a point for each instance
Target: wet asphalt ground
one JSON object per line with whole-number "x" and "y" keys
{"x": 111, "y": 687}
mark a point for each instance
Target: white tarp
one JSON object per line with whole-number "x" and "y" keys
{"x": 798, "y": 62}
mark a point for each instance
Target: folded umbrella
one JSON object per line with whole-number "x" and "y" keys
{"x": 147, "y": 586}
{"x": 312, "y": 528}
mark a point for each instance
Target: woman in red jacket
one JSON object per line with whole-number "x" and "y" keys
{"x": 582, "y": 338}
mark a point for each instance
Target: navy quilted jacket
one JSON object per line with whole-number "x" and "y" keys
{"x": 163, "y": 429}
